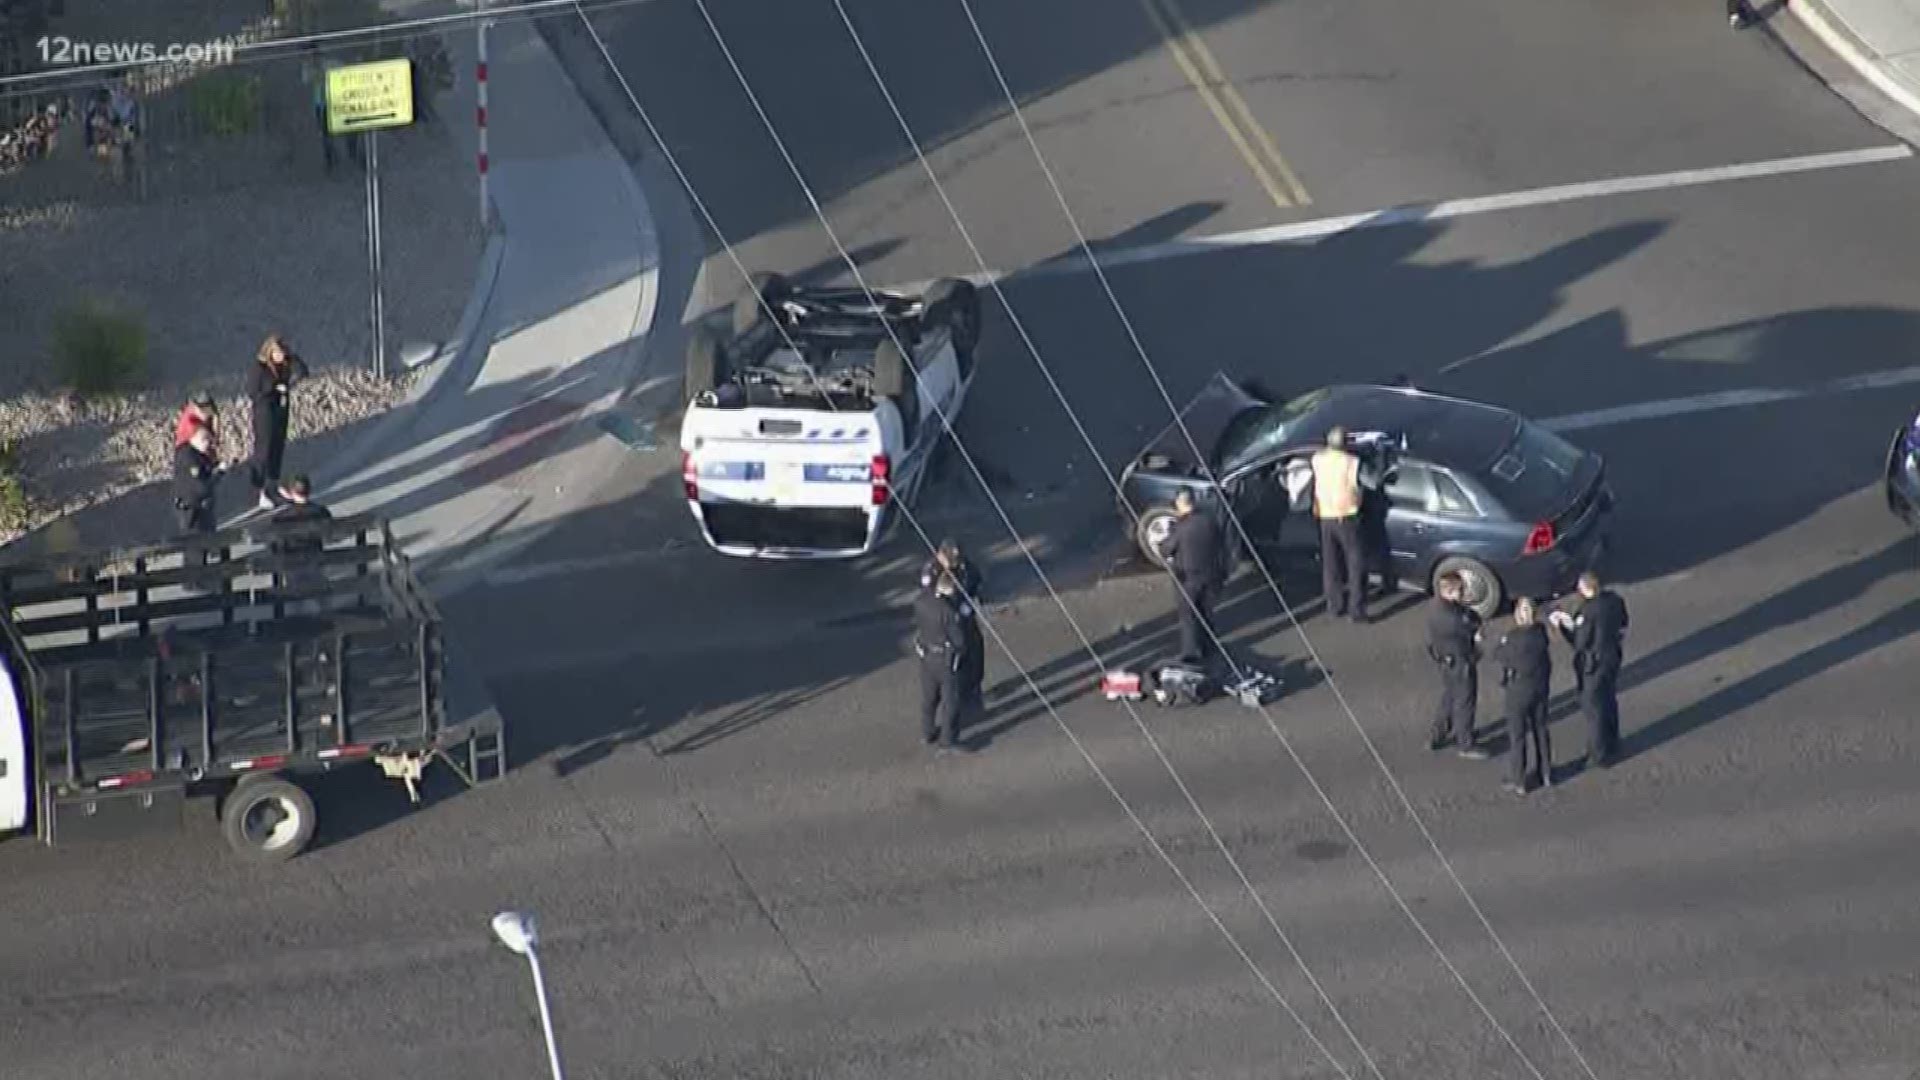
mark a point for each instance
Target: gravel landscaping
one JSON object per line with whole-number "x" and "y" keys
{"x": 232, "y": 237}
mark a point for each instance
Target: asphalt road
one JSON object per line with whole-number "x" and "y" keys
{"x": 747, "y": 866}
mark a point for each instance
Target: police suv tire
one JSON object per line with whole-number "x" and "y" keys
{"x": 957, "y": 304}
{"x": 890, "y": 375}
{"x": 1151, "y": 521}
{"x": 283, "y": 840}
{"x": 1475, "y": 574}
{"x": 765, "y": 291}
{"x": 706, "y": 361}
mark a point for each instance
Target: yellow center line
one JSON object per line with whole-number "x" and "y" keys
{"x": 1256, "y": 146}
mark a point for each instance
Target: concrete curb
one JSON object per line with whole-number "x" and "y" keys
{"x": 1832, "y": 32}
{"x": 643, "y": 346}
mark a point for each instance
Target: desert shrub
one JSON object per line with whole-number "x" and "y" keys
{"x": 225, "y": 103}
{"x": 99, "y": 349}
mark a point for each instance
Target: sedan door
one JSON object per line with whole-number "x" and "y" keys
{"x": 1412, "y": 525}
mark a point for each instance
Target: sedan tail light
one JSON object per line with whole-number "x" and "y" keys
{"x": 689, "y": 477}
{"x": 881, "y": 471}
{"x": 1540, "y": 539}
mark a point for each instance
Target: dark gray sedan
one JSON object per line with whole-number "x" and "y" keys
{"x": 1471, "y": 488}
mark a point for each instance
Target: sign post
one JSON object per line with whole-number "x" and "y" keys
{"x": 367, "y": 98}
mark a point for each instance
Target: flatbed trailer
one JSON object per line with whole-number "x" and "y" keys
{"x": 237, "y": 666}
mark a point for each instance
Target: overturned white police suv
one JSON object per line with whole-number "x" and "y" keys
{"x": 806, "y": 421}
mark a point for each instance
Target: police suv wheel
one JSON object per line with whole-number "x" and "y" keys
{"x": 764, "y": 293}
{"x": 1153, "y": 529}
{"x": 706, "y": 361}
{"x": 268, "y": 820}
{"x": 957, "y": 303}
{"x": 1481, "y": 589}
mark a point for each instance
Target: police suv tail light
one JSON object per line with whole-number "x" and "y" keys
{"x": 1540, "y": 539}
{"x": 881, "y": 469}
{"x": 689, "y": 476}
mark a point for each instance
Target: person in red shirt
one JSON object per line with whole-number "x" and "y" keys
{"x": 196, "y": 413}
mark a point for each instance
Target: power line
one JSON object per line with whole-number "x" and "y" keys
{"x": 1293, "y": 617}
{"x": 1126, "y": 807}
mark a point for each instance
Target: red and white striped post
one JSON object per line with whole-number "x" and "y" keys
{"x": 480, "y": 118}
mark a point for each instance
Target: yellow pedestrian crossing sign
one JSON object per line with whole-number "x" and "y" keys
{"x": 367, "y": 97}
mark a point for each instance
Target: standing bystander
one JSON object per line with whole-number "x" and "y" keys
{"x": 275, "y": 371}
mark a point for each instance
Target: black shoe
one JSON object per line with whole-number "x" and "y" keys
{"x": 1361, "y": 618}
{"x": 1439, "y": 744}
{"x": 1474, "y": 753}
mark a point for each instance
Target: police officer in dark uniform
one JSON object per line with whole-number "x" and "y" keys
{"x": 1197, "y": 557}
{"x": 1596, "y": 632}
{"x": 940, "y": 641}
{"x": 195, "y": 474}
{"x": 1527, "y": 674}
{"x": 1453, "y": 642}
{"x": 948, "y": 558}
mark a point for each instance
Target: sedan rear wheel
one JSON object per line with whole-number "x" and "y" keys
{"x": 1480, "y": 586}
{"x": 1153, "y": 529}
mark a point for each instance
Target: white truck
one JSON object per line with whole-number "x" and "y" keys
{"x": 237, "y": 666}
{"x": 802, "y": 429}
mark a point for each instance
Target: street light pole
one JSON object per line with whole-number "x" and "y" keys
{"x": 516, "y": 931}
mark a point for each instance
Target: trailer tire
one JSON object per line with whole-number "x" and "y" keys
{"x": 269, "y": 819}
{"x": 765, "y": 291}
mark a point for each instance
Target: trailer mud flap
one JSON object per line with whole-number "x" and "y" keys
{"x": 115, "y": 815}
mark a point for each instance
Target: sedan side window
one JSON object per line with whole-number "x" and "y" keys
{"x": 1410, "y": 487}
{"x": 1450, "y": 499}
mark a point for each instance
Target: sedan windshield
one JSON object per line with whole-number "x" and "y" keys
{"x": 1258, "y": 432}
{"x": 1534, "y": 476}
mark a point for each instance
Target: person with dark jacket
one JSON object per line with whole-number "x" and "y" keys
{"x": 1597, "y": 631}
{"x": 195, "y": 476}
{"x": 1196, "y": 554}
{"x": 1527, "y": 674}
{"x": 275, "y": 371}
{"x": 940, "y": 642}
{"x": 1453, "y": 643}
{"x": 948, "y": 558}
{"x": 298, "y": 509}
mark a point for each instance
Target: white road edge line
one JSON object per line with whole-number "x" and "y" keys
{"x": 1598, "y": 418}
{"x": 1320, "y": 228}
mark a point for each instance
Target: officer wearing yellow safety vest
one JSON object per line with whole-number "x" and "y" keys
{"x": 1336, "y": 503}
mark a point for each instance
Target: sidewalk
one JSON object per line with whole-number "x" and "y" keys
{"x": 502, "y": 441}
{"x": 1879, "y": 39}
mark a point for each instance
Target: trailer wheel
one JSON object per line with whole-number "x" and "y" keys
{"x": 268, "y": 820}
